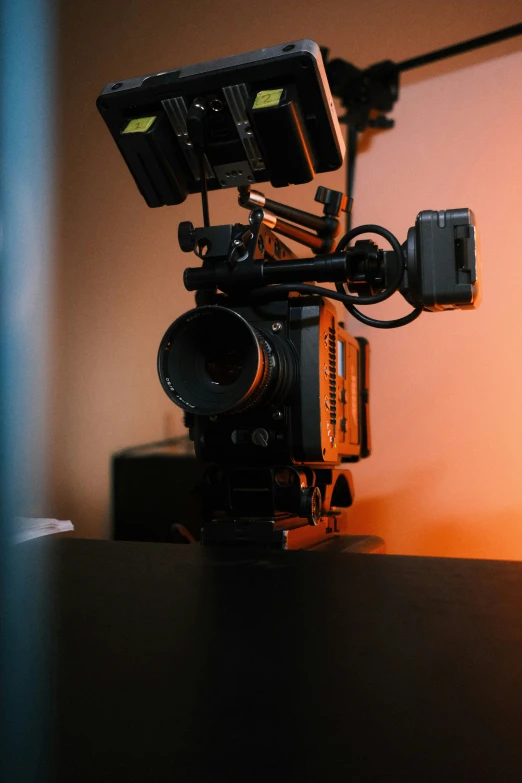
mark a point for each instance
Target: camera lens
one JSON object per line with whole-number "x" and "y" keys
{"x": 212, "y": 361}
{"x": 223, "y": 366}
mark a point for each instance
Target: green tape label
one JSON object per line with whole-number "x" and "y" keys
{"x": 267, "y": 98}
{"x": 140, "y": 125}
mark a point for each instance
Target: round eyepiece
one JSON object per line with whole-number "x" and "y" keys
{"x": 212, "y": 361}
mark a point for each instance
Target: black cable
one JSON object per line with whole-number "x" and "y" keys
{"x": 204, "y": 191}
{"x": 305, "y": 288}
{"x": 302, "y": 288}
{"x": 377, "y": 324}
{"x": 196, "y": 133}
{"x": 365, "y": 319}
{"x": 272, "y": 291}
{"x": 460, "y": 48}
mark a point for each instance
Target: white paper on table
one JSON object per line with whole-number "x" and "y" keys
{"x": 25, "y": 528}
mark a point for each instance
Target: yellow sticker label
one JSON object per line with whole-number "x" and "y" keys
{"x": 267, "y": 98}
{"x": 140, "y": 125}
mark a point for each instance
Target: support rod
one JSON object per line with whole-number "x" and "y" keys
{"x": 460, "y": 48}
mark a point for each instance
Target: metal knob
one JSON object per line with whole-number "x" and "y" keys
{"x": 186, "y": 236}
{"x": 260, "y": 437}
{"x": 311, "y": 505}
{"x": 334, "y": 201}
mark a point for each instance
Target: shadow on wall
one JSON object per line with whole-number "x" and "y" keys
{"x": 494, "y": 535}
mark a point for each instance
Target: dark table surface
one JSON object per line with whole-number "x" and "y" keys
{"x": 180, "y": 663}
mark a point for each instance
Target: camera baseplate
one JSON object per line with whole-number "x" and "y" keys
{"x": 296, "y": 507}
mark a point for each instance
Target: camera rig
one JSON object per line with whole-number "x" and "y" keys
{"x": 249, "y": 266}
{"x": 275, "y": 391}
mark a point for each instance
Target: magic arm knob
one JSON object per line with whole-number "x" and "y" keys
{"x": 334, "y": 201}
{"x": 186, "y": 236}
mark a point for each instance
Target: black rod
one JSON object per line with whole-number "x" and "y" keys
{"x": 350, "y": 170}
{"x": 460, "y": 48}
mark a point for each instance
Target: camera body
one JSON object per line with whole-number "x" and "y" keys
{"x": 307, "y": 402}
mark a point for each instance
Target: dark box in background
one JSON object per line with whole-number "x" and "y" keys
{"x": 155, "y": 494}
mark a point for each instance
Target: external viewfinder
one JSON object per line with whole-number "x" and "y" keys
{"x": 263, "y": 116}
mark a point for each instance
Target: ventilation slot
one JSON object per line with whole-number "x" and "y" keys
{"x": 332, "y": 378}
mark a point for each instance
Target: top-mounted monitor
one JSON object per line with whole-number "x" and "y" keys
{"x": 267, "y": 116}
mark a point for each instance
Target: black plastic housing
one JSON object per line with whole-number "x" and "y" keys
{"x": 442, "y": 260}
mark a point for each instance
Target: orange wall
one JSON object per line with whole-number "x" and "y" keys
{"x": 444, "y": 477}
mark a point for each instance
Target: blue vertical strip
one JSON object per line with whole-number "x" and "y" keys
{"x": 27, "y": 124}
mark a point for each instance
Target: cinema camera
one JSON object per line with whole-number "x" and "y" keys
{"x": 274, "y": 388}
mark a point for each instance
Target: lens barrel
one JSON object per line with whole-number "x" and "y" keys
{"x": 212, "y": 361}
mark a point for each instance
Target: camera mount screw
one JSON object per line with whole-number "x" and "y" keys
{"x": 260, "y": 437}
{"x": 277, "y": 326}
{"x": 277, "y": 415}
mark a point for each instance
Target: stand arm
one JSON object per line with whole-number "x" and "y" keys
{"x": 465, "y": 46}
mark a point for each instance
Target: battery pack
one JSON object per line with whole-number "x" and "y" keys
{"x": 280, "y": 130}
{"x": 149, "y": 147}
